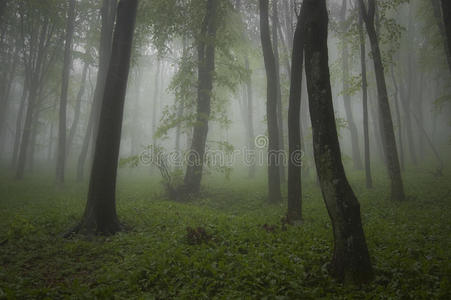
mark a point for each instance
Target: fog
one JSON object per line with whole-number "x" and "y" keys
{"x": 215, "y": 105}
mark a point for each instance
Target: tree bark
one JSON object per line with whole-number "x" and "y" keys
{"x": 206, "y": 68}
{"x": 274, "y": 160}
{"x": 391, "y": 152}
{"x": 61, "y": 156}
{"x": 351, "y": 262}
{"x": 366, "y": 135}
{"x": 100, "y": 213}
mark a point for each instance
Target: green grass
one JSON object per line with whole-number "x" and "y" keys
{"x": 409, "y": 243}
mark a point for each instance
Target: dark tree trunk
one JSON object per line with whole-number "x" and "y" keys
{"x": 388, "y": 134}
{"x": 61, "y": 156}
{"x": 366, "y": 134}
{"x": 81, "y": 91}
{"x": 108, "y": 17}
{"x": 100, "y": 213}
{"x": 351, "y": 262}
{"x": 274, "y": 160}
{"x": 294, "y": 125}
{"x": 446, "y": 10}
{"x": 206, "y": 68}
{"x": 280, "y": 122}
{"x": 356, "y": 158}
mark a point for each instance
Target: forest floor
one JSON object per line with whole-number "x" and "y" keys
{"x": 242, "y": 250}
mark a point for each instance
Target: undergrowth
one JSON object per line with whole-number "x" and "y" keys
{"x": 227, "y": 243}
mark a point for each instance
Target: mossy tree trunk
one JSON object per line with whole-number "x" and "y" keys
{"x": 351, "y": 262}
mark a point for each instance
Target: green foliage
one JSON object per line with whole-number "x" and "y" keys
{"x": 249, "y": 252}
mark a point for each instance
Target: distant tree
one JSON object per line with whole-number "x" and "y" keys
{"x": 274, "y": 193}
{"x": 351, "y": 262}
{"x": 100, "y": 213}
{"x": 388, "y": 134}
{"x": 61, "y": 157}
{"x": 356, "y": 158}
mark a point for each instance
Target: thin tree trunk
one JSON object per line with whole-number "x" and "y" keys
{"x": 294, "y": 125}
{"x": 61, "y": 156}
{"x": 100, "y": 213}
{"x": 206, "y": 68}
{"x": 351, "y": 262}
{"x": 391, "y": 152}
{"x": 366, "y": 135}
{"x": 398, "y": 116}
{"x": 274, "y": 161}
{"x": 275, "y": 44}
{"x": 81, "y": 91}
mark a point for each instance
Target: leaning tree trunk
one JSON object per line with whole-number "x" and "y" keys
{"x": 294, "y": 125}
{"x": 206, "y": 67}
{"x": 274, "y": 160}
{"x": 446, "y": 10}
{"x": 366, "y": 135}
{"x": 388, "y": 134}
{"x": 351, "y": 262}
{"x": 346, "y": 97}
{"x": 100, "y": 212}
{"x": 61, "y": 156}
